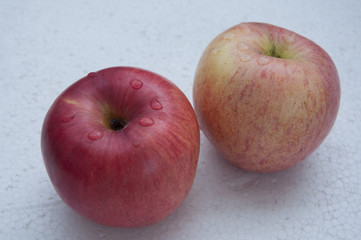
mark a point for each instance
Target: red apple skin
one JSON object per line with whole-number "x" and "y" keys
{"x": 265, "y": 96}
{"x": 131, "y": 177}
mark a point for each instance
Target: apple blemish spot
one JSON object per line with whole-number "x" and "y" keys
{"x": 155, "y": 104}
{"x": 242, "y": 46}
{"x": 146, "y": 122}
{"x": 136, "y": 84}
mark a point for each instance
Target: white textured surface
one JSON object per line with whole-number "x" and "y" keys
{"x": 47, "y": 45}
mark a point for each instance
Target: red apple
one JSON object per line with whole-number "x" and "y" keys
{"x": 121, "y": 146}
{"x": 265, "y": 96}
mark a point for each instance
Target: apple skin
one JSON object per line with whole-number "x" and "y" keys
{"x": 265, "y": 96}
{"x": 131, "y": 177}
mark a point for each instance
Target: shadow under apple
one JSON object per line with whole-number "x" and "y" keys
{"x": 79, "y": 227}
{"x": 256, "y": 189}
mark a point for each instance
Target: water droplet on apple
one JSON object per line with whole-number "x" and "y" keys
{"x": 215, "y": 51}
{"x": 95, "y": 135}
{"x": 242, "y": 46}
{"x": 136, "y": 84}
{"x": 229, "y": 36}
{"x": 244, "y": 28}
{"x": 155, "y": 104}
{"x": 136, "y": 145}
{"x": 245, "y": 57}
{"x": 68, "y": 116}
{"x": 288, "y": 38}
{"x": 92, "y": 75}
{"x": 146, "y": 122}
{"x": 263, "y": 60}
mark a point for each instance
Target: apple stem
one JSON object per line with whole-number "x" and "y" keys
{"x": 117, "y": 124}
{"x": 274, "y": 52}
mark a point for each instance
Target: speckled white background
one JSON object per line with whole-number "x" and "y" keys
{"x": 47, "y": 45}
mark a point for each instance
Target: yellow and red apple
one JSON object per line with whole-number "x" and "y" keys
{"x": 265, "y": 96}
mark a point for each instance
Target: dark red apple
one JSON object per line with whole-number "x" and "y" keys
{"x": 121, "y": 146}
